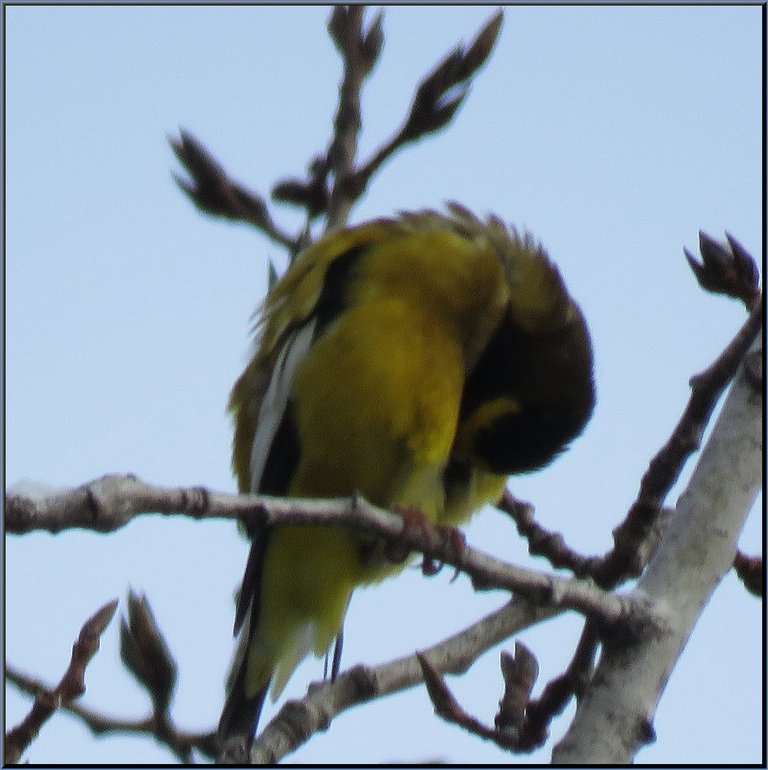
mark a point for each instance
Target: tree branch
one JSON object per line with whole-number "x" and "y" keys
{"x": 112, "y": 501}
{"x": 726, "y": 269}
{"x": 625, "y": 559}
{"x": 298, "y": 720}
{"x": 614, "y": 718}
{"x": 333, "y": 182}
{"x": 359, "y": 53}
{"x": 181, "y": 742}
{"x": 71, "y": 686}
{"x": 214, "y": 192}
{"x": 437, "y": 98}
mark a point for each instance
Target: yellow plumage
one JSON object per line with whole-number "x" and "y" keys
{"x": 417, "y": 361}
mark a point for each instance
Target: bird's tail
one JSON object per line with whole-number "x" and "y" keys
{"x": 241, "y": 712}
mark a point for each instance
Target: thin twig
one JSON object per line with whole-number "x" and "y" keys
{"x": 448, "y": 707}
{"x": 71, "y": 686}
{"x": 213, "y": 191}
{"x": 623, "y": 560}
{"x": 181, "y": 743}
{"x": 437, "y": 98}
{"x": 558, "y": 692}
{"x": 333, "y": 182}
{"x": 541, "y": 541}
{"x": 346, "y": 28}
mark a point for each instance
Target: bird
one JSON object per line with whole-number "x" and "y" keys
{"x": 417, "y": 360}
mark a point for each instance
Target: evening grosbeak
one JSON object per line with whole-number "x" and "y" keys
{"x": 416, "y": 360}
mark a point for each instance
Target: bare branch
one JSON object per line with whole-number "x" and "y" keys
{"x": 519, "y": 672}
{"x": 447, "y": 707}
{"x": 437, "y": 98}
{"x": 520, "y": 725}
{"x": 646, "y": 535}
{"x": 359, "y": 52}
{"x": 614, "y": 718}
{"x": 213, "y": 191}
{"x": 534, "y": 731}
{"x": 298, "y": 720}
{"x": 180, "y": 742}
{"x": 625, "y": 559}
{"x": 539, "y": 714}
{"x": 541, "y": 541}
{"x": 71, "y": 686}
{"x": 111, "y": 501}
{"x": 333, "y": 182}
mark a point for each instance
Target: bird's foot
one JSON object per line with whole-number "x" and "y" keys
{"x": 414, "y": 519}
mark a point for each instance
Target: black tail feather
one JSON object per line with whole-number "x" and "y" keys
{"x": 240, "y": 715}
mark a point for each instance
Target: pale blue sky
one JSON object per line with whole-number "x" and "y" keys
{"x": 612, "y": 133}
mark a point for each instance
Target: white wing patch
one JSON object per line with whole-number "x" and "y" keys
{"x": 275, "y": 400}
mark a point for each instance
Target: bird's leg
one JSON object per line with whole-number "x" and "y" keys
{"x": 414, "y": 518}
{"x": 457, "y": 542}
{"x": 336, "y": 662}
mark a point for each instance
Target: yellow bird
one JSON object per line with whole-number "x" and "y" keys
{"x": 416, "y": 360}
